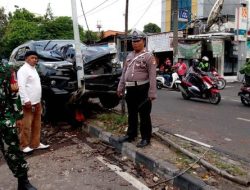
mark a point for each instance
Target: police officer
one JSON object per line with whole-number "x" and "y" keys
{"x": 139, "y": 79}
{"x": 10, "y": 112}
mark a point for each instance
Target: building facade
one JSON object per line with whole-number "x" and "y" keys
{"x": 193, "y": 9}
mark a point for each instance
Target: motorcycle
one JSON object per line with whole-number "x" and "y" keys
{"x": 218, "y": 79}
{"x": 162, "y": 83}
{"x": 245, "y": 92}
{"x": 202, "y": 87}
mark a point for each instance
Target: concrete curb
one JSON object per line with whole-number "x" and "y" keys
{"x": 184, "y": 182}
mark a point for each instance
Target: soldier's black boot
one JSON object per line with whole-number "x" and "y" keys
{"x": 24, "y": 184}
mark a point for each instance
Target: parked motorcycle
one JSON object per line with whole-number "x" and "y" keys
{"x": 245, "y": 92}
{"x": 218, "y": 79}
{"x": 199, "y": 87}
{"x": 161, "y": 81}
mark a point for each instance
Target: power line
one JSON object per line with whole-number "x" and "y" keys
{"x": 143, "y": 13}
{"x": 84, "y": 16}
{"x": 96, "y": 6}
{"x": 103, "y": 8}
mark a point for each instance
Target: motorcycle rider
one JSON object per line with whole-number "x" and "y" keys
{"x": 245, "y": 69}
{"x": 204, "y": 65}
{"x": 194, "y": 69}
{"x": 167, "y": 71}
{"x": 181, "y": 68}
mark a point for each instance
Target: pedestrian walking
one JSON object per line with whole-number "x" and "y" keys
{"x": 30, "y": 91}
{"x": 10, "y": 115}
{"x": 139, "y": 80}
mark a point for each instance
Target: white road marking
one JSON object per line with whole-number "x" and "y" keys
{"x": 235, "y": 100}
{"x": 195, "y": 141}
{"x": 243, "y": 119}
{"x": 136, "y": 183}
{"x": 228, "y": 139}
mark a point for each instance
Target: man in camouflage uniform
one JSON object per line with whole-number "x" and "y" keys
{"x": 139, "y": 80}
{"x": 10, "y": 113}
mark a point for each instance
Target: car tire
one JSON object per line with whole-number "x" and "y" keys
{"x": 109, "y": 101}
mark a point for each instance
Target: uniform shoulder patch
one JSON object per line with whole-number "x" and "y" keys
{"x": 153, "y": 60}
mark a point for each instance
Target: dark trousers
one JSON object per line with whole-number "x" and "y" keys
{"x": 138, "y": 103}
{"x": 9, "y": 145}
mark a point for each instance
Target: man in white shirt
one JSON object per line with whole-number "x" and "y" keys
{"x": 30, "y": 91}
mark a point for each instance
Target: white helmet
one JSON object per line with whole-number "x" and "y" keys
{"x": 205, "y": 58}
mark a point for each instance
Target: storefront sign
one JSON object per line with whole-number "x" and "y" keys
{"x": 241, "y": 15}
{"x": 160, "y": 42}
{"x": 217, "y": 47}
{"x": 189, "y": 50}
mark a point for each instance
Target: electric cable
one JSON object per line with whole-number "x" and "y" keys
{"x": 181, "y": 173}
{"x": 96, "y": 7}
{"x": 143, "y": 13}
{"x": 84, "y": 16}
{"x": 103, "y": 8}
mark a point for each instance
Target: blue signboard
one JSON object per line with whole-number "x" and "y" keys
{"x": 183, "y": 15}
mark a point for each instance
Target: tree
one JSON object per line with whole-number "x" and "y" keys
{"x": 3, "y": 24}
{"x": 58, "y": 28}
{"x": 18, "y": 32}
{"x": 23, "y": 14}
{"x": 22, "y": 26}
{"x": 151, "y": 28}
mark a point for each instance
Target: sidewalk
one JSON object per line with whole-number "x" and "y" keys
{"x": 231, "y": 79}
{"x": 67, "y": 167}
{"x": 156, "y": 157}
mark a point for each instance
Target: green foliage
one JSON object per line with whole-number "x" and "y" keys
{"x": 112, "y": 122}
{"x": 59, "y": 28}
{"x": 3, "y": 24}
{"x": 89, "y": 37}
{"x": 151, "y": 28}
{"x": 3, "y": 19}
{"x": 22, "y": 25}
{"x": 245, "y": 69}
{"x": 18, "y": 32}
{"x": 22, "y": 14}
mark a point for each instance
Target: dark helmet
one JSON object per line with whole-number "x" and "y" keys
{"x": 195, "y": 62}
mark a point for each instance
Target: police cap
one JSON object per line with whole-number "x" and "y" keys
{"x": 137, "y": 35}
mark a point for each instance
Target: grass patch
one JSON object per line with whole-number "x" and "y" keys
{"x": 232, "y": 169}
{"x": 113, "y": 122}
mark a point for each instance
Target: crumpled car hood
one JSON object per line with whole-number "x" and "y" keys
{"x": 93, "y": 53}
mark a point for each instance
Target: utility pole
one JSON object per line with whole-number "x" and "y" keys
{"x": 125, "y": 49}
{"x": 78, "y": 53}
{"x": 175, "y": 30}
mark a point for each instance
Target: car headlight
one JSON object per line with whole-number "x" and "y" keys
{"x": 53, "y": 83}
{"x": 114, "y": 60}
{"x": 50, "y": 65}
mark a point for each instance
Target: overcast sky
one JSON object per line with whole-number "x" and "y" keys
{"x": 110, "y": 13}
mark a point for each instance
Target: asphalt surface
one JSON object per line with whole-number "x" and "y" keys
{"x": 226, "y": 126}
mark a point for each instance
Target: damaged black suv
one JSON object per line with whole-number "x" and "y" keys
{"x": 57, "y": 70}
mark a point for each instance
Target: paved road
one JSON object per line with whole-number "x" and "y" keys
{"x": 225, "y": 126}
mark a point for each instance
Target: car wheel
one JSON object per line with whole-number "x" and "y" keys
{"x": 109, "y": 101}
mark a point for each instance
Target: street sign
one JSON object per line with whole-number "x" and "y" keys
{"x": 183, "y": 15}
